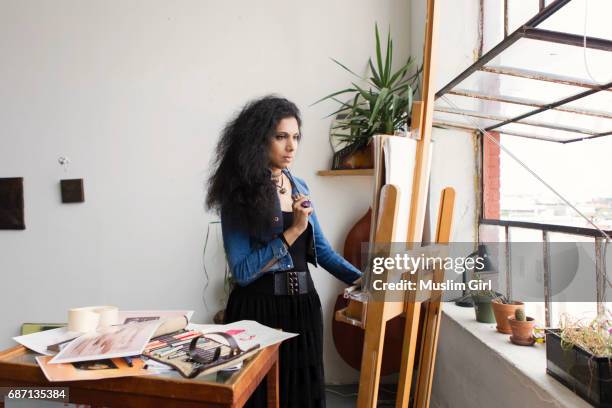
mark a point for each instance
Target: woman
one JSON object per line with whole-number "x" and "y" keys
{"x": 270, "y": 233}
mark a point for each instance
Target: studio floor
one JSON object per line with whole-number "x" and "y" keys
{"x": 340, "y": 396}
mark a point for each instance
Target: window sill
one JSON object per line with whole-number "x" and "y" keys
{"x": 527, "y": 365}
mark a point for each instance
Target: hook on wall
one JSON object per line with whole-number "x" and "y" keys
{"x": 64, "y": 162}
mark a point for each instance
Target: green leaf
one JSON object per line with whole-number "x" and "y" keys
{"x": 334, "y": 113}
{"x": 330, "y": 96}
{"x": 400, "y": 89}
{"x": 376, "y": 80}
{"x": 346, "y": 68}
{"x": 395, "y": 104}
{"x": 400, "y": 72}
{"x": 398, "y": 75}
{"x": 383, "y": 104}
{"x": 380, "y": 101}
{"x": 347, "y": 105}
{"x": 366, "y": 95}
{"x": 378, "y": 53}
{"x": 389, "y": 57}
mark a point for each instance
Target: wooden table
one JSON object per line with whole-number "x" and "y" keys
{"x": 222, "y": 389}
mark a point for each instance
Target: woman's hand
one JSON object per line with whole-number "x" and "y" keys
{"x": 300, "y": 214}
{"x": 300, "y": 219}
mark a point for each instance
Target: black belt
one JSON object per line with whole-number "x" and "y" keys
{"x": 282, "y": 283}
{"x": 291, "y": 283}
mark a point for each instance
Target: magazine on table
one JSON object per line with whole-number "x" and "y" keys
{"x": 91, "y": 370}
{"x": 122, "y": 340}
{"x": 49, "y": 342}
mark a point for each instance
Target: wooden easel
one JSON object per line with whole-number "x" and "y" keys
{"x": 378, "y": 313}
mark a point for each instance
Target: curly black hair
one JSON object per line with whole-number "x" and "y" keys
{"x": 240, "y": 176}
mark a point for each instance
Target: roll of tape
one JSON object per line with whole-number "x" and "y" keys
{"x": 88, "y": 319}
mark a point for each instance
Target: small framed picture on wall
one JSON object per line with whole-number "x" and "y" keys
{"x": 11, "y": 203}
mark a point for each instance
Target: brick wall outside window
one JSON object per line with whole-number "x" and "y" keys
{"x": 490, "y": 173}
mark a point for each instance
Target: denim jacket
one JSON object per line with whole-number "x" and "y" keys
{"x": 248, "y": 255}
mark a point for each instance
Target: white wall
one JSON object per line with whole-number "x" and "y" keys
{"x": 478, "y": 367}
{"x": 135, "y": 93}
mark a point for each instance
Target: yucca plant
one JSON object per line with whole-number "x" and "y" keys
{"x": 383, "y": 108}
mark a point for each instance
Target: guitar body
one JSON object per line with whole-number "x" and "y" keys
{"x": 348, "y": 339}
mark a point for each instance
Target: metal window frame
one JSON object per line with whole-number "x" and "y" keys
{"x": 529, "y": 30}
{"x": 508, "y": 225}
{"x": 598, "y": 242}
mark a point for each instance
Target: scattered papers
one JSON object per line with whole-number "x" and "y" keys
{"x": 123, "y": 340}
{"x": 247, "y": 333}
{"x": 39, "y": 342}
{"x": 91, "y": 370}
{"x": 97, "y": 355}
{"x": 127, "y": 316}
{"x": 151, "y": 364}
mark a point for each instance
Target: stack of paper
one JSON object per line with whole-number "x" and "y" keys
{"x": 105, "y": 352}
{"x": 115, "y": 351}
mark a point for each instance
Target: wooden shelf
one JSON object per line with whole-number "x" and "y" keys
{"x": 348, "y": 172}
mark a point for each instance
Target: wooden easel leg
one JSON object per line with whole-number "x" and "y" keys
{"x": 413, "y": 313}
{"x": 371, "y": 359}
{"x": 431, "y": 329}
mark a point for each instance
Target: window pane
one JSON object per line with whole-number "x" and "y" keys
{"x": 527, "y": 271}
{"x": 579, "y": 171}
{"x": 599, "y": 101}
{"x": 484, "y": 103}
{"x": 570, "y": 19}
{"x": 498, "y": 85}
{"x": 571, "y": 120}
{"x": 520, "y": 11}
{"x": 493, "y": 238}
{"x": 539, "y": 132}
{"x": 572, "y": 277}
{"x": 561, "y": 59}
{"x": 462, "y": 120}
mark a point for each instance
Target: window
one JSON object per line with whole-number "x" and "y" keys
{"x": 542, "y": 89}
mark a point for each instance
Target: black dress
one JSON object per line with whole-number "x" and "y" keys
{"x": 301, "y": 375}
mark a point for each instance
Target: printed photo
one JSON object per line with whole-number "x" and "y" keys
{"x": 116, "y": 341}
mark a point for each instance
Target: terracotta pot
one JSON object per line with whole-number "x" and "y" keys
{"x": 502, "y": 311}
{"x": 362, "y": 158}
{"x": 522, "y": 330}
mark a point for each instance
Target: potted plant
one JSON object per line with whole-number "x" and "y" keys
{"x": 482, "y": 302}
{"x": 502, "y": 308}
{"x": 383, "y": 108}
{"x": 483, "y": 307}
{"x": 580, "y": 357}
{"x": 522, "y": 328}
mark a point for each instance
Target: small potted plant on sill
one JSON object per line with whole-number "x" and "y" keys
{"x": 383, "y": 108}
{"x": 482, "y": 303}
{"x": 502, "y": 308}
{"x": 580, "y": 357}
{"x": 522, "y": 328}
